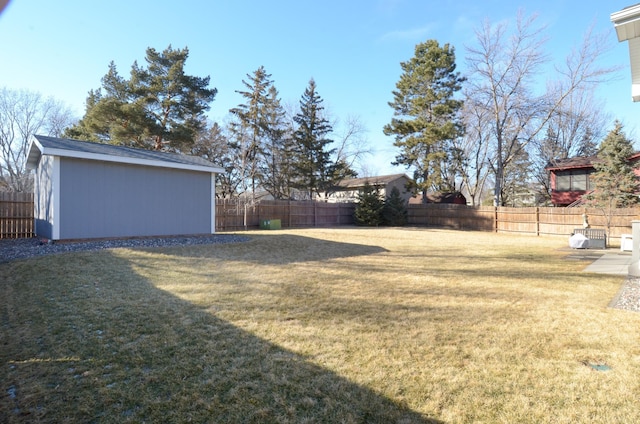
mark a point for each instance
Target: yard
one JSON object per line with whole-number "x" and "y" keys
{"x": 318, "y": 325}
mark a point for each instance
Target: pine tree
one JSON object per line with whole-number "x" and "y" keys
{"x": 159, "y": 107}
{"x": 252, "y": 123}
{"x": 614, "y": 181}
{"x": 275, "y": 166}
{"x": 369, "y": 207}
{"x": 312, "y": 154}
{"x": 426, "y": 114}
{"x": 394, "y": 211}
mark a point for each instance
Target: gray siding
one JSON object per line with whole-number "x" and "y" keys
{"x": 108, "y": 199}
{"x": 43, "y": 199}
{"x": 401, "y": 185}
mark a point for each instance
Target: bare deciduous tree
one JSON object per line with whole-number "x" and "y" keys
{"x": 23, "y": 114}
{"x": 350, "y": 141}
{"x": 212, "y": 144}
{"x": 573, "y": 130}
{"x": 504, "y": 66}
{"x": 475, "y": 147}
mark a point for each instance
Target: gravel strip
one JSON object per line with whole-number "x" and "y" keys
{"x": 12, "y": 249}
{"x": 628, "y": 298}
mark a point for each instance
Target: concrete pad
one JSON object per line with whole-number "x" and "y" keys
{"x": 610, "y": 263}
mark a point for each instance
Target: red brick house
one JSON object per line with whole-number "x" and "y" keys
{"x": 570, "y": 178}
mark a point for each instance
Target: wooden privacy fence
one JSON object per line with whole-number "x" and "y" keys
{"x": 17, "y": 220}
{"x": 535, "y": 221}
{"x": 232, "y": 214}
{"x": 16, "y": 215}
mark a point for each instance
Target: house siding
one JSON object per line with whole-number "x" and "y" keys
{"x": 109, "y": 199}
{"x": 401, "y": 185}
{"x": 350, "y": 193}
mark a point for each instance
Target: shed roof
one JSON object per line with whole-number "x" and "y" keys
{"x": 374, "y": 181}
{"x": 64, "y": 147}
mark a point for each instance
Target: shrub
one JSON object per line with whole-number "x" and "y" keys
{"x": 395, "y": 209}
{"x": 369, "y": 208}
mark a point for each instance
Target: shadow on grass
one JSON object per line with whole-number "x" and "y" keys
{"x": 283, "y": 249}
{"x": 105, "y": 345}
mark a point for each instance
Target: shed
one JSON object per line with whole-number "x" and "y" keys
{"x": 86, "y": 190}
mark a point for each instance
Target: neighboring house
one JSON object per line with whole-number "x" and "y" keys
{"x": 570, "y": 179}
{"x": 347, "y": 190}
{"x": 91, "y": 190}
{"x": 454, "y": 197}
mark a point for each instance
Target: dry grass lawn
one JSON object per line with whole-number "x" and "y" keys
{"x": 318, "y": 325}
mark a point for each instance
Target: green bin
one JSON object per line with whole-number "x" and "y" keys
{"x": 270, "y": 224}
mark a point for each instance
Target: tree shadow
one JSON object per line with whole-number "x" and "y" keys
{"x": 114, "y": 348}
{"x": 281, "y": 249}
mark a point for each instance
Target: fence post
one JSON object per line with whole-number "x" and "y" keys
{"x": 495, "y": 219}
{"x": 634, "y": 267}
{"x": 537, "y": 220}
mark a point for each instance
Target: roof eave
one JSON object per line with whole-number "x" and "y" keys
{"x": 33, "y": 154}
{"x": 36, "y": 150}
{"x": 128, "y": 160}
{"x": 627, "y": 22}
{"x": 563, "y": 168}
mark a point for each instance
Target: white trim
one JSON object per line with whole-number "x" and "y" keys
{"x": 124, "y": 159}
{"x": 625, "y": 15}
{"x": 55, "y": 194}
{"x": 627, "y": 22}
{"x": 33, "y": 155}
{"x": 213, "y": 203}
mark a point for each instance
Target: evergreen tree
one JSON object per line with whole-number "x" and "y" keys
{"x": 394, "y": 211}
{"x": 369, "y": 208}
{"x": 159, "y": 107}
{"x": 252, "y": 118}
{"x": 275, "y": 166}
{"x": 426, "y": 115}
{"x": 615, "y": 183}
{"x": 312, "y": 161}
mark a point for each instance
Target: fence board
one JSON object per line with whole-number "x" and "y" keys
{"x": 535, "y": 221}
{"x": 17, "y": 220}
{"x": 230, "y": 214}
{"x": 16, "y": 215}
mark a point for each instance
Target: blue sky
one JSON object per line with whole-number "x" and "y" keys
{"x": 352, "y": 49}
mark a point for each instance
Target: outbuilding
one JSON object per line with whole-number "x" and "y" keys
{"x": 86, "y": 190}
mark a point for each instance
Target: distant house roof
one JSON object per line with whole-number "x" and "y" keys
{"x": 43, "y": 145}
{"x": 581, "y": 162}
{"x": 572, "y": 163}
{"x": 374, "y": 181}
{"x": 439, "y": 197}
